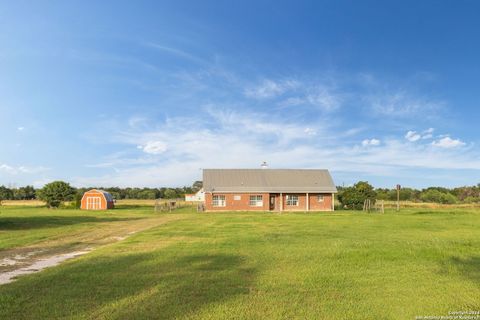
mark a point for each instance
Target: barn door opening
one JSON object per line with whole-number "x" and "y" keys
{"x": 93, "y": 203}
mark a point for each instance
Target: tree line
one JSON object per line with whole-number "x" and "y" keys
{"x": 30, "y": 193}
{"x": 58, "y": 191}
{"x": 353, "y": 197}
{"x": 350, "y": 197}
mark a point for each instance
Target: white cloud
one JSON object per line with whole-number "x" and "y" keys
{"x": 216, "y": 136}
{"x": 370, "y": 142}
{"x": 20, "y": 128}
{"x": 448, "y": 143}
{"x": 243, "y": 140}
{"x": 270, "y": 89}
{"x": 6, "y": 168}
{"x": 153, "y": 147}
{"x": 310, "y": 131}
{"x": 412, "y": 136}
{"x": 14, "y": 170}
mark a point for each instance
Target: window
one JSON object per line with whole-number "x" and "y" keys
{"x": 292, "y": 200}
{"x": 320, "y": 198}
{"x": 256, "y": 201}
{"x": 237, "y": 197}
{"x": 218, "y": 201}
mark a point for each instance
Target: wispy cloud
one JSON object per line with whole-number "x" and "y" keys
{"x": 270, "y": 89}
{"x": 153, "y": 147}
{"x": 414, "y": 136}
{"x": 227, "y": 138}
{"x": 324, "y": 98}
{"x": 292, "y": 92}
{"x": 370, "y": 142}
{"x": 402, "y": 104}
{"x": 15, "y": 170}
{"x": 176, "y": 52}
{"x": 236, "y": 127}
{"x": 100, "y": 165}
{"x": 428, "y": 134}
{"x": 319, "y": 97}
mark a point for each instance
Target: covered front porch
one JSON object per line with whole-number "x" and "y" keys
{"x": 301, "y": 201}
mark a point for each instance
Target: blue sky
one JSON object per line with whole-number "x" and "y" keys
{"x": 146, "y": 93}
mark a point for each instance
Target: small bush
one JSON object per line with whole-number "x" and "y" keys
{"x": 354, "y": 197}
{"x": 433, "y": 195}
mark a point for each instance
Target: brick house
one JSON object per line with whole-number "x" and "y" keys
{"x": 268, "y": 190}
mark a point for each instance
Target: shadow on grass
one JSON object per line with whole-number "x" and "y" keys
{"x": 132, "y": 206}
{"x": 37, "y": 222}
{"x": 442, "y": 212}
{"x": 141, "y": 286}
{"x": 467, "y": 267}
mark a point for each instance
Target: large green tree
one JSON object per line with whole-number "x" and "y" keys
{"x": 354, "y": 197}
{"x": 54, "y": 193}
{"x": 197, "y": 185}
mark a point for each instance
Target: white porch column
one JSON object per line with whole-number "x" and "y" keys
{"x": 307, "y": 204}
{"x": 281, "y": 201}
{"x": 333, "y": 201}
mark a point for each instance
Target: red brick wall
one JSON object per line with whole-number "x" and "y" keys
{"x": 315, "y": 205}
{"x": 237, "y": 205}
{"x": 301, "y": 202}
{"x": 243, "y": 203}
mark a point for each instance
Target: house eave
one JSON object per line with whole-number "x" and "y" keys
{"x": 271, "y": 191}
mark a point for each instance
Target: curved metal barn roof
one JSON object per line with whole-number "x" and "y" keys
{"x": 108, "y": 196}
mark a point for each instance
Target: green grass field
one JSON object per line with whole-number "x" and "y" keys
{"x": 184, "y": 265}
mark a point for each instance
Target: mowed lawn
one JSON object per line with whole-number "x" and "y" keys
{"x": 342, "y": 265}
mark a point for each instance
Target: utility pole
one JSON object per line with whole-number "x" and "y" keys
{"x": 398, "y": 197}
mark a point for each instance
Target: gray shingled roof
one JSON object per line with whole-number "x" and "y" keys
{"x": 268, "y": 180}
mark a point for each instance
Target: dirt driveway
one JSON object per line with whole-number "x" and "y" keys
{"x": 53, "y": 251}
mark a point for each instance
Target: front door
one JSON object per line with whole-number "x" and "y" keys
{"x": 272, "y": 202}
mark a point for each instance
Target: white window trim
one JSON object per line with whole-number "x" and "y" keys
{"x": 257, "y": 201}
{"x": 219, "y": 200}
{"x": 320, "y": 198}
{"x": 289, "y": 200}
